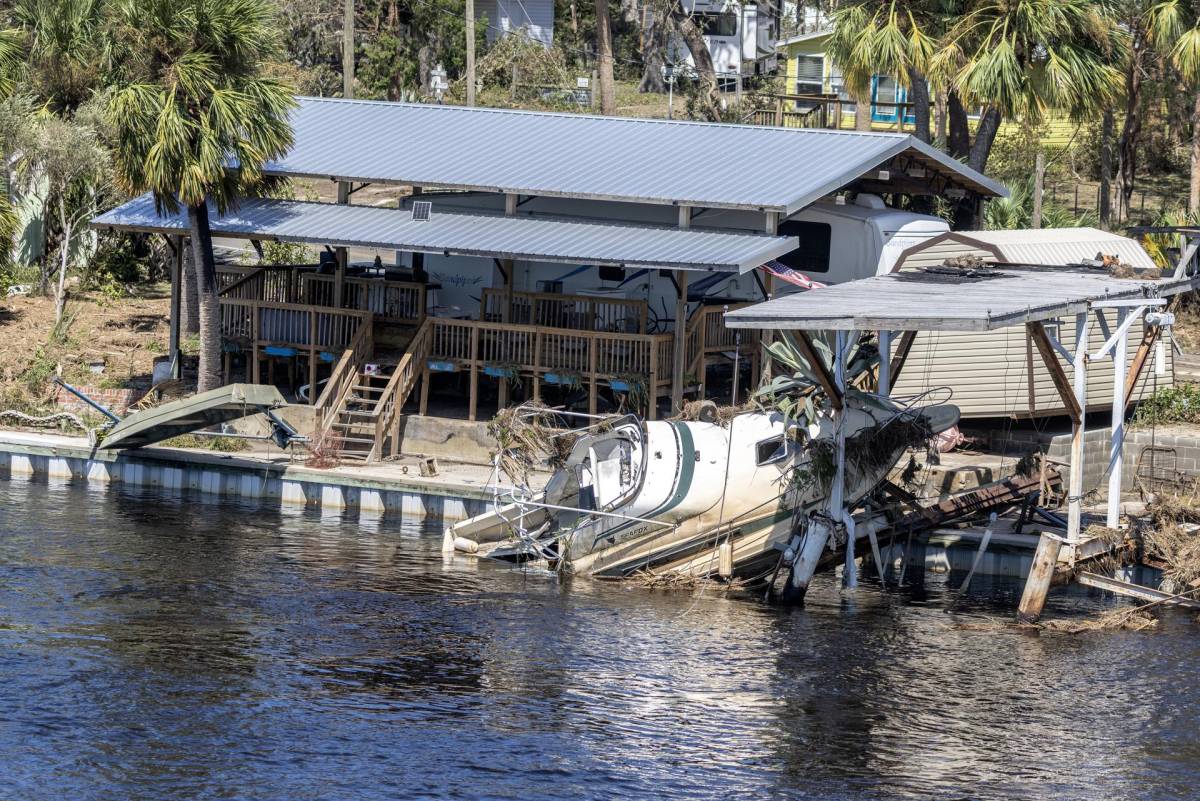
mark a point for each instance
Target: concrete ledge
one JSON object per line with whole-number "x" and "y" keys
{"x": 71, "y": 458}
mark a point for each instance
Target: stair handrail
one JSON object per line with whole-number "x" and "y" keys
{"x": 342, "y": 379}
{"x": 404, "y": 378}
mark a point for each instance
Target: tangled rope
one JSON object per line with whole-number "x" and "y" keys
{"x": 53, "y": 419}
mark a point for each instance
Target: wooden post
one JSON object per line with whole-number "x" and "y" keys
{"x": 425, "y": 388}
{"x": 312, "y": 356}
{"x": 176, "y": 309}
{"x": 592, "y": 390}
{"x": 680, "y": 354}
{"x": 537, "y": 363}
{"x": 474, "y": 401}
{"x": 701, "y": 358}
{"x": 343, "y": 255}
{"x": 254, "y": 340}
{"x": 1037, "y": 584}
{"x": 652, "y": 394}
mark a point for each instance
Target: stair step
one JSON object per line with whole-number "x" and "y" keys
{"x": 359, "y": 440}
{"x": 368, "y": 388}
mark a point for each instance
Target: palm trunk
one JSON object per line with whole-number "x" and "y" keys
{"x": 958, "y": 138}
{"x": 60, "y": 295}
{"x": 189, "y": 309}
{"x": 604, "y": 57}
{"x": 1194, "y": 184}
{"x": 919, "y": 92}
{"x": 985, "y": 136}
{"x": 209, "y": 376}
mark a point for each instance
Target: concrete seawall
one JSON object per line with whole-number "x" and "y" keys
{"x": 389, "y": 490}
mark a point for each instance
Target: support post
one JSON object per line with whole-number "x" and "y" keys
{"x": 680, "y": 354}
{"x": 1037, "y": 584}
{"x": 900, "y": 358}
{"x": 1075, "y": 492}
{"x": 1039, "y": 178}
{"x": 343, "y": 255}
{"x": 884, "y": 381}
{"x": 1115, "y": 462}
{"x": 312, "y": 356}
{"x": 474, "y": 398}
{"x": 176, "y": 308}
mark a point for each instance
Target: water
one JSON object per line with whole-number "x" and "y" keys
{"x": 157, "y": 646}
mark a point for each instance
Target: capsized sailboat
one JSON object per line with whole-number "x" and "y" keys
{"x": 697, "y": 498}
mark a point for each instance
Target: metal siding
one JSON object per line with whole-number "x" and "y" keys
{"x": 578, "y": 155}
{"x": 520, "y": 237}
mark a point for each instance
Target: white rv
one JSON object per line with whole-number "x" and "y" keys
{"x": 740, "y": 36}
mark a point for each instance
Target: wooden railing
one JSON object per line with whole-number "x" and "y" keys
{"x": 825, "y": 111}
{"x": 404, "y": 378}
{"x": 309, "y": 328}
{"x": 706, "y": 335}
{"x": 401, "y": 302}
{"x": 577, "y": 312}
{"x": 343, "y": 378}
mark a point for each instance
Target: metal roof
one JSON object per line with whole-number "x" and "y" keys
{"x": 935, "y": 301}
{"x": 492, "y": 236}
{"x": 1063, "y": 246}
{"x": 711, "y": 165}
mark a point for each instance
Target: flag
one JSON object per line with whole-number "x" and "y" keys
{"x": 785, "y": 273}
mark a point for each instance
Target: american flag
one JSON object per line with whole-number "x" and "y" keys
{"x": 785, "y": 273}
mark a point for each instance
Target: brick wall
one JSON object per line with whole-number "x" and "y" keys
{"x": 118, "y": 400}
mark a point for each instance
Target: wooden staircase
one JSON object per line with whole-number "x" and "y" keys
{"x": 354, "y": 421}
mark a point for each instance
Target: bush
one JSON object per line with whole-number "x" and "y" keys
{"x": 1178, "y": 404}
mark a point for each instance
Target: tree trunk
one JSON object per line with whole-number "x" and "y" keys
{"x": 604, "y": 58}
{"x": 985, "y": 135}
{"x": 707, "y": 96}
{"x": 862, "y": 111}
{"x": 919, "y": 94}
{"x": 210, "y": 308}
{"x": 1104, "y": 201}
{"x": 1131, "y": 126}
{"x": 940, "y": 119}
{"x": 1194, "y": 184}
{"x": 60, "y": 295}
{"x": 654, "y": 45}
{"x": 958, "y": 138}
{"x": 189, "y": 308}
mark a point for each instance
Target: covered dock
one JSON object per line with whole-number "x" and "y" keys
{"x": 984, "y": 299}
{"x": 624, "y": 195}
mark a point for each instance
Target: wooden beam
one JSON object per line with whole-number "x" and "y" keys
{"x": 680, "y": 351}
{"x": 1150, "y": 336}
{"x": 1037, "y": 584}
{"x": 1037, "y": 332}
{"x": 813, "y": 358}
{"x": 901, "y": 357}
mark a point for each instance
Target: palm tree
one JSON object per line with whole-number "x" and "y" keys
{"x": 67, "y": 49}
{"x": 196, "y": 119}
{"x": 890, "y": 38}
{"x": 12, "y": 60}
{"x": 1175, "y": 28}
{"x": 1019, "y": 60}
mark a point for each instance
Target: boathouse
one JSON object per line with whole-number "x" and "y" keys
{"x": 533, "y": 254}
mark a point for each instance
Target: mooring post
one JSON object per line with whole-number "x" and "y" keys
{"x": 1037, "y": 584}
{"x": 1079, "y": 362}
{"x": 1115, "y": 462}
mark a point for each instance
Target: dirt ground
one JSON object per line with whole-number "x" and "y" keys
{"x": 126, "y": 334}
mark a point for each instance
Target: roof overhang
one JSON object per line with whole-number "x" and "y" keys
{"x": 678, "y": 163}
{"x": 525, "y": 238}
{"x": 935, "y": 301}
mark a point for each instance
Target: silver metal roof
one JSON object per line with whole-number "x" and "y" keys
{"x": 709, "y": 165}
{"x": 923, "y": 301}
{"x": 1063, "y": 246}
{"x": 525, "y": 238}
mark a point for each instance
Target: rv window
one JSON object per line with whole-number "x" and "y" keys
{"x": 772, "y": 450}
{"x": 813, "y": 254}
{"x": 717, "y": 23}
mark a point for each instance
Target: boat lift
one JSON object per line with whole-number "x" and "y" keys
{"x": 987, "y": 299}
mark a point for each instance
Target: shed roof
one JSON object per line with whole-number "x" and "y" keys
{"x": 1060, "y": 246}
{"x": 711, "y": 165}
{"x": 527, "y": 238}
{"x": 935, "y": 301}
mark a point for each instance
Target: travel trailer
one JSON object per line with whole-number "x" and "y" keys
{"x": 740, "y": 37}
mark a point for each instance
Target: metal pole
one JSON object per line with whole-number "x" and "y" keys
{"x": 885, "y": 363}
{"x": 670, "y": 98}
{"x": 1118, "y": 423}
{"x": 1079, "y": 362}
{"x": 176, "y": 307}
{"x": 837, "y": 490}
{"x": 470, "y": 26}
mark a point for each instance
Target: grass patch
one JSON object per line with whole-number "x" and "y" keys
{"x": 220, "y": 444}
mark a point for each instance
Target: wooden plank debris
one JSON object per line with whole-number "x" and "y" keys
{"x": 1131, "y": 590}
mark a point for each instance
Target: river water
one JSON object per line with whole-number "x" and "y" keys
{"x": 159, "y": 646}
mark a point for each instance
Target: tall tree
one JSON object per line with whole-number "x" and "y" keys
{"x": 68, "y": 49}
{"x": 708, "y": 97}
{"x": 1018, "y": 60}
{"x": 604, "y": 59}
{"x": 196, "y": 119}
{"x": 1175, "y": 26}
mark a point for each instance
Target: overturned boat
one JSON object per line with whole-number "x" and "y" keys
{"x": 704, "y": 498}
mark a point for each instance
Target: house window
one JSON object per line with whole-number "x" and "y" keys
{"x": 813, "y": 254}
{"x": 717, "y": 23}
{"x": 810, "y": 75}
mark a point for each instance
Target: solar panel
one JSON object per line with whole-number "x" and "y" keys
{"x": 421, "y": 210}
